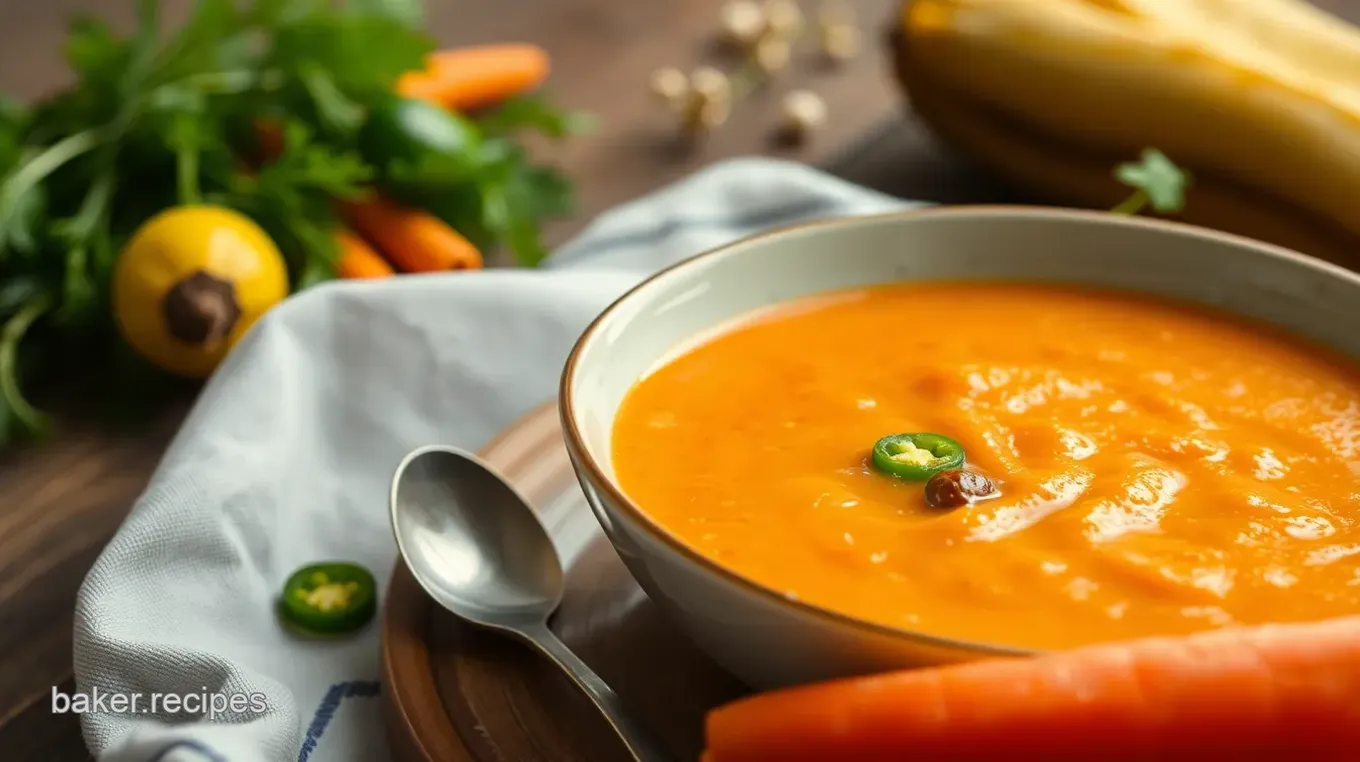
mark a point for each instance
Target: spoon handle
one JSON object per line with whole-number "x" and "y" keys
{"x": 641, "y": 744}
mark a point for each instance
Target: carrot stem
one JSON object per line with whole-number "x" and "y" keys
{"x": 358, "y": 259}
{"x": 412, "y": 239}
{"x": 467, "y": 78}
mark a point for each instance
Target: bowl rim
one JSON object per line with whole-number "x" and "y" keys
{"x": 659, "y": 533}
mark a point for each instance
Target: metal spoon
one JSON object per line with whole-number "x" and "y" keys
{"x": 478, "y": 549}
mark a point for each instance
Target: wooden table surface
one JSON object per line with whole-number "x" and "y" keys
{"x": 60, "y": 503}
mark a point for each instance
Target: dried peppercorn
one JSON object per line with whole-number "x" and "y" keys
{"x": 958, "y": 487}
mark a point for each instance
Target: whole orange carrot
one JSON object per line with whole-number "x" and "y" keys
{"x": 471, "y": 77}
{"x": 412, "y": 239}
{"x": 1255, "y": 693}
{"x": 358, "y": 259}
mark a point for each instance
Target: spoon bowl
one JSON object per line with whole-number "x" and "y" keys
{"x": 478, "y": 549}
{"x": 491, "y": 565}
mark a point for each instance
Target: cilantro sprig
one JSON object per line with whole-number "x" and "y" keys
{"x": 155, "y": 121}
{"x": 1156, "y": 182}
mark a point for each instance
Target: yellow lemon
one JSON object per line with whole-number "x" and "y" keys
{"x": 190, "y": 282}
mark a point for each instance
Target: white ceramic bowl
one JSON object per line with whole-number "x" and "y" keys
{"x": 758, "y": 634}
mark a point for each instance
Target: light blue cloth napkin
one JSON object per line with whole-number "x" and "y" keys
{"x": 287, "y": 456}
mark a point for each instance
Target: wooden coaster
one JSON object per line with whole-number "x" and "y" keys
{"x": 455, "y": 693}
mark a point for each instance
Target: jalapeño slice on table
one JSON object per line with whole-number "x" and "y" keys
{"x": 332, "y": 598}
{"x": 916, "y": 457}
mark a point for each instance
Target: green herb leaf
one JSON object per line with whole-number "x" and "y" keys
{"x": 306, "y": 165}
{"x": 338, "y": 115}
{"x": 80, "y": 234}
{"x": 363, "y": 54}
{"x": 317, "y": 269}
{"x": 505, "y": 204}
{"x": 516, "y": 198}
{"x": 16, "y": 291}
{"x": 13, "y": 120}
{"x": 141, "y": 53}
{"x": 542, "y": 192}
{"x": 409, "y": 12}
{"x": 1157, "y": 180}
{"x": 93, "y": 52}
{"x": 26, "y": 214}
{"x": 292, "y": 198}
{"x": 533, "y": 112}
{"x": 16, "y": 206}
{"x": 212, "y": 40}
{"x": 184, "y": 126}
{"x": 273, "y": 13}
{"x": 13, "y": 114}
{"x": 16, "y": 414}
{"x": 534, "y": 194}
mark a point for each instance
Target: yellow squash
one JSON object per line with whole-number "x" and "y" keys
{"x": 190, "y": 282}
{"x": 1259, "y": 99}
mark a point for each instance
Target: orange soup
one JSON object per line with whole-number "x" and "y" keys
{"x": 1161, "y": 469}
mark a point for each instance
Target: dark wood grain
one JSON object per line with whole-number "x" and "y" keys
{"x": 59, "y": 504}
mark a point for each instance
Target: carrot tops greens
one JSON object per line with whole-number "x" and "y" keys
{"x": 157, "y": 121}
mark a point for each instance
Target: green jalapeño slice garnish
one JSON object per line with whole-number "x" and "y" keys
{"x": 328, "y": 599}
{"x": 916, "y": 457}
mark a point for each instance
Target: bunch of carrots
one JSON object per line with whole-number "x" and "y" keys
{"x": 1273, "y": 692}
{"x": 466, "y": 79}
{"x": 391, "y": 238}
{"x": 385, "y": 237}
